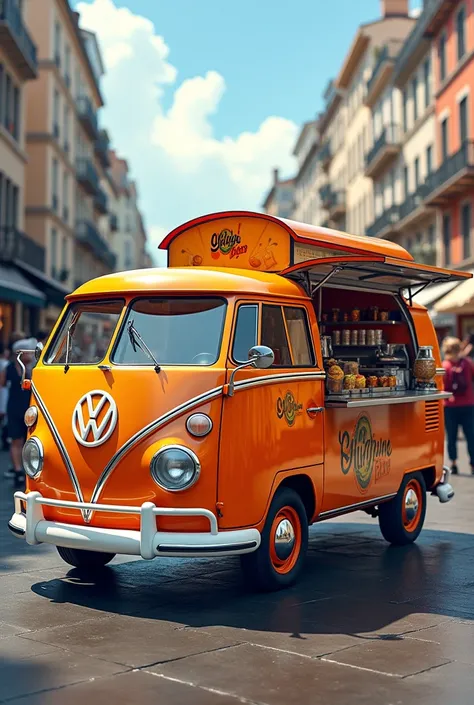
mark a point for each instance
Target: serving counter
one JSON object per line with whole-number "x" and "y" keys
{"x": 402, "y": 397}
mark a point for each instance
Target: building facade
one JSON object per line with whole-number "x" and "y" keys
{"x": 279, "y": 201}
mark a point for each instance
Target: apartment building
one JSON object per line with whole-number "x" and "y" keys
{"x": 22, "y": 259}
{"x": 279, "y": 200}
{"x": 129, "y": 242}
{"x": 67, "y": 155}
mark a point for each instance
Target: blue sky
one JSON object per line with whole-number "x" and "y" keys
{"x": 204, "y": 98}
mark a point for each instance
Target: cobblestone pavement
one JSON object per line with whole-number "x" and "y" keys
{"x": 367, "y": 624}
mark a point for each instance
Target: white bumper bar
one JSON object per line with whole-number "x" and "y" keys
{"x": 147, "y": 542}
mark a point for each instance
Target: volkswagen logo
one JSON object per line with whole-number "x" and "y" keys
{"x": 94, "y": 418}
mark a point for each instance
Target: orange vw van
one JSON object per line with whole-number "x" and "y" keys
{"x": 273, "y": 376}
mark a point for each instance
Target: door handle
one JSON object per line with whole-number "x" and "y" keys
{"x": 315, "y": 410}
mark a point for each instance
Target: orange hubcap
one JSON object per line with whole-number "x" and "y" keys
{"x": 285, "y": 540}
{"x": 412, "y": 505}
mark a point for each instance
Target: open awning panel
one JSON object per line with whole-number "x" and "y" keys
{"x": 377, "y": 272}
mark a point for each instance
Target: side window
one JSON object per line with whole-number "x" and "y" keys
{"x": 274, "y": 335}
{"x": 297, "y": 326}
{"x": 246, "y": 331}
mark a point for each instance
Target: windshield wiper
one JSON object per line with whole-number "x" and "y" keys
{"x": 138, "y": 342}
{"x": 69, "y": 340}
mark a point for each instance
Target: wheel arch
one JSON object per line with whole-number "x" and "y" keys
{"x": 302, "y": 484}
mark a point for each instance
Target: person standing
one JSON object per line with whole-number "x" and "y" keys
{"x": 3, "y": 397}
{"x": 18, "y": 402}
{"x": 459, "y": 408}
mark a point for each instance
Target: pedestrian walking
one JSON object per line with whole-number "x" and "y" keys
{"x": 17, "y": 404}
{"x": 468, "y": 346}
{"x": 459, "y": 408}
{"x": 4, "y": 354}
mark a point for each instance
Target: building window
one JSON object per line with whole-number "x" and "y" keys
{"x": 56, "y": 114}
{"x": 466, "y": 215}
{"x": 405, "y": 111}
{"x": 417, "y": 172}
{"x": 2, "y": 104}
{"x": 447, "y": 238}
{"x": 67, "y": 117}
{"x": 444, "y": 139}
{"x": 16, "y": 113}
{"x": 442, "y": 57}
{"x": 431, "y": 240}
{"x": 463, "y": 123}
{"x": 405, "y": 181}
{"x": 55, "y": 200}
{"x": 54, "y": 253}
{"x": 57, "y": 44}
{"x": 414, "y": 90}
{"x": 67, "y": 66}
{"x": 461, "y": 32}
{"x": 66, "y": 196}
{"x": 427, "y": 81}
{"x": 64, "y": 252}
{"x": 429, "y": 159}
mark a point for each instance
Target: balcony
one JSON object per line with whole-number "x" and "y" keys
{"x": 100, "y": 201}
{"x": 87, "y": 176}
{"x": 381, "y": 72}
{"x": 15, "y": 245}
{"x": 417, "y": 43}
{"x": 88, "y": 235}
{"x": 453, "y": 178}
{"x": 113, "y": 222}
{"x": 337, "y": 205}
{"x": 414, "y": 209}
{"x": 325, "y": 155}
{"x": 87, "y": 116}
{"x": 16, "y": 41}
{"x": 102, "y": 148}
{"x": 325, "y": 194}
{"x": 384, "y": 151}
{"x": 386, "y": 224}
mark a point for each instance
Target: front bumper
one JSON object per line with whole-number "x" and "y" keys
{"x": 147, "y": 542}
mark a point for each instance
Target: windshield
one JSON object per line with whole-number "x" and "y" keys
{"x": 90, "y": 327}
{"x": 177, "y": 331}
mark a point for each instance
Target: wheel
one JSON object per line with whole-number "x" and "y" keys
{"x": 87, "y": 560}
{"x": 401, "y": 519}
{"x": 278, "y": 561}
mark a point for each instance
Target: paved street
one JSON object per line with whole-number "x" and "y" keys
{"x": 367, "y": 624}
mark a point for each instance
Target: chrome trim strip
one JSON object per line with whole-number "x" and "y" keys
{"x": 357, "y": 505}
{"x": 61, "y": 447}
{"x": 440, "y": 371}
{"x": 146, "y": 431}
{"x": 272, "y": 379}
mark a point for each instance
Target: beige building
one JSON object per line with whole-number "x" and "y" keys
{"x": 67, "y": 152}
{"x": 22, "y": 258}
{"x": 129, "y": 242}
{"x": 279, "y": 200}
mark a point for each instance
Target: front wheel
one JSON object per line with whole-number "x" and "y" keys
{"x": 401, "y": 519}
{"x": 278, "y": 561}
{"x": 86, "y": 560}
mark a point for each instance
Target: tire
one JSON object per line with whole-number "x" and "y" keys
{"x": 86, "y": 560}
{"x": 270, "y": 568}
{"x": 401, "y": 524}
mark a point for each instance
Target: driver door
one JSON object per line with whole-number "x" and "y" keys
{"x": 266, "y": 426}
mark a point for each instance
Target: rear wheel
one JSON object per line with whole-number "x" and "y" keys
{"x": 401, "y": 519}
{"x": 278, "y": 561}
{"x": 87, "y": 560}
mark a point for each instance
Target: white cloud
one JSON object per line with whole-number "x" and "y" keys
{"x": 182, "y": 169}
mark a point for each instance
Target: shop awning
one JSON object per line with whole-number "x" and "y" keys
{"x": 433, "y": 293}
{"x": 458, "y": 301}
{"x": 15, "y": 287}
{"x": 54, "y": 291}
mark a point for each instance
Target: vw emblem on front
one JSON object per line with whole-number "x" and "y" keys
{"x": 94, "y": 418}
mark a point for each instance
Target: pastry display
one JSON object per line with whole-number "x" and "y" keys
{"x": 360, "y": 382}
{"x": 384, "y": 381}
{"x": 349, "y": 381}
{"x": 334, "y": 380}
{"x": 351, "y": 368}
{"x": 372, "y": 381}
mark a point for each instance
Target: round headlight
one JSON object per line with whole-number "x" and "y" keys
{"x": 31, "y": 415}
{"x": 175, "y": 468}
{"x": 33, "y": 456}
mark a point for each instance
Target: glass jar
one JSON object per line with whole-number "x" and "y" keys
{"x": 424, "y": 368}
{"x": 335, "y": 315}
{"x": 355, "y": 315}
{"x": 346, "y": 336}
{"x": 336, "y": 337}
{"x": 370, "y": 337}
{"x": 362, "y": 337}
{"x": 354, "y": 337}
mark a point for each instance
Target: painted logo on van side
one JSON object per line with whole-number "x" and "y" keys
{"x": 227, "y": 243}
{"x": 365, "y": 454}
{"x": 288, "y": 407}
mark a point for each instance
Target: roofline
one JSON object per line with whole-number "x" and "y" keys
{"x": 304, "y": 129}
{"x": 269, "y": 196}
{"x": 77, "y": 31}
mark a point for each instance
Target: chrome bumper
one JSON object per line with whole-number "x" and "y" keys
{"x": 147, "y": 542}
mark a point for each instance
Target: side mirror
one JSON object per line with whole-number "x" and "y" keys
{"x": 261, "y": 356}
{"x": 38, "y": 351}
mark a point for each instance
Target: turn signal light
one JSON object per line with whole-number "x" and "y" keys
{"x": 199, "y": 425}
{"x": 26, "y": 384}
{"x": 31, "y": 415}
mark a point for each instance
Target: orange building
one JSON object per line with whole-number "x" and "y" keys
{"x": 451, "y": 186}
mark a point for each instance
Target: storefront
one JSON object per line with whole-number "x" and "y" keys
{"x": 445, "y": 323}
{"x": 20, "y": 303}
{"x": 459, "y": 303}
